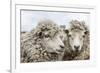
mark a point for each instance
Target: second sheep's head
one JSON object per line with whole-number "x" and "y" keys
{"x": 76, "y": 35}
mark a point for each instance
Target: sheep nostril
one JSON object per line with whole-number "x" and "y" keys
{"x": 61, "y": 46}
{"x": 76, "y": 47}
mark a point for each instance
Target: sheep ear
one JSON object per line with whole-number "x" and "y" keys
{"x": 66, "y": 31}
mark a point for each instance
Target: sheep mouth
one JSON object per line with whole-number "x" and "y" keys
{"x": 59, "y": 51}
{"x": 76, "y": 52}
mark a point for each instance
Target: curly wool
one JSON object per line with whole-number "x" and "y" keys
{"x": 32, "y": 49}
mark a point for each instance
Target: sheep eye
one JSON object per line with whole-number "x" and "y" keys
{"x": 83, "y": 36}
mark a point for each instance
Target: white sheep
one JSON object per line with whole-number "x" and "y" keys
{"x": 78, "y": 41}
{"x": 44, "y": 43}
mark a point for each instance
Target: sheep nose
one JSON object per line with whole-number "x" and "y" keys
{"x": 61, "y": 46}
{"x": 76, "y": 47}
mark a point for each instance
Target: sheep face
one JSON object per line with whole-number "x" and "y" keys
{"x": 76, "y": 39}
{"x": 53, "y": 43}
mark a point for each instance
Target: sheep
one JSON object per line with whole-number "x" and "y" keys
{"x": 78, "y": 41}
{"x": 44, "y": 43}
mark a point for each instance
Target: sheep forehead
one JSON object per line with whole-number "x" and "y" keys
{"x": 49, "y": 31}
{"x": 76, "y": 32}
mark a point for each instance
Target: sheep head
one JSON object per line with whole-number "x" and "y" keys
{"x": 51, "y": 36}
{"x": 76, "y": 35}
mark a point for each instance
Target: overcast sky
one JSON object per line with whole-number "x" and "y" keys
{"x": 29, "y": 19}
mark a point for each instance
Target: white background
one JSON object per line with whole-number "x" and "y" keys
{"x": 5, "y": 36}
